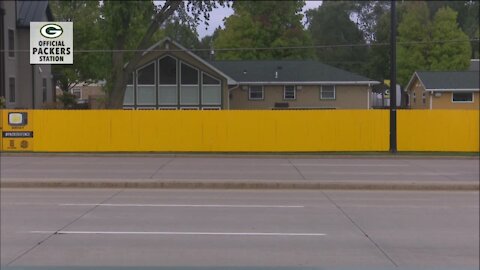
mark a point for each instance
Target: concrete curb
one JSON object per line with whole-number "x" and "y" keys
{"x": 260, "y": 155}
{"x": 411, "y": 186}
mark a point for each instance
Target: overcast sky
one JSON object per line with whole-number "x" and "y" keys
{"x": 217, "y": 16}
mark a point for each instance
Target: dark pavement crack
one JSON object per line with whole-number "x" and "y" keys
{"x": 62, "y": 228}
{"x": 360, "y": 229}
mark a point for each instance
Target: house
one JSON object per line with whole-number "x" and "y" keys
{"x": 444, "y": 90}
{"x": 294, "y": 84}
{"x": 89, "y": 94}
{"x": 170, "y": 77}
{"x": 21, "y": 84}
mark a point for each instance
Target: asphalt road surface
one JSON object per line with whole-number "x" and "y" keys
{"x": 206, "y": 229}
{"x": 154, "y": 168}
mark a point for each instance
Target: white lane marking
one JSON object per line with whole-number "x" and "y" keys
{"x": 179, "y": 233}
{"x": 183, "y": 205}
{"x": 160, "y": 205}
{"x": 346, "y": 165}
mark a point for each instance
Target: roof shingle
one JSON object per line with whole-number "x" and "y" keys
{"x": 449, "y": 80}
{"x": 282, "y": 71}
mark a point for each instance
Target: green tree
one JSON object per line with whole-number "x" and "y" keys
{"x": 413, "y": 42}
{"x": 448, "y": 55}
{"x": 206, "y": 46}
{"x": 182, "y": 33}
{"x": 264, "y": 24}
{"x": 468, "y": 18}
{"x": 87, "y": 67}
{"x": 378, "y": 64}
{"x": 343, "y": 44}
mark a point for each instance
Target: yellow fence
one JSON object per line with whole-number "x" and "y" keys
{"x": 438, "y": 130}
{"x": 240, "y": 131}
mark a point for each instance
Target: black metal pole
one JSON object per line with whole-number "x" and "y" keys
{"x": 393, "y": 78}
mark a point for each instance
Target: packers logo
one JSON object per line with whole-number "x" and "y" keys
{"x": 51, "y": 30}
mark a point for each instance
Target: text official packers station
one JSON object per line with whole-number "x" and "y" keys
{"x": 51, "y": 42}
{"x": 52, "y": 51}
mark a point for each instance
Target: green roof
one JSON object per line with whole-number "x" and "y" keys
{"x": 287, "y": 71}
{"x": 449, "y": 80}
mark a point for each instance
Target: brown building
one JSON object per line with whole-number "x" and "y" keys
{"x": 444, "y": 90}
{"x": 172, "y": 77}
{"x": 21, "y": 84}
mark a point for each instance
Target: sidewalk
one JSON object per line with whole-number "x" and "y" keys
{"x": 239, "y": 172}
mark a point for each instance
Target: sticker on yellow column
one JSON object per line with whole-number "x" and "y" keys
{"x": 17, "y": 134}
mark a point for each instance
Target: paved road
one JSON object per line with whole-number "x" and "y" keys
{"x": 156, "y": 168}
{"x": 202, "y": 228}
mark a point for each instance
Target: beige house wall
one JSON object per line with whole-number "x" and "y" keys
{"x": 415, "y": 93}
{"x": 445, "y": 102}
{"x": 346, "y": 97}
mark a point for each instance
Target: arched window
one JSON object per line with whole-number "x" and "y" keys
{"x": 146, "y": 85}
{"x": 189, "y": 90}
{"x": 167, "y": 87}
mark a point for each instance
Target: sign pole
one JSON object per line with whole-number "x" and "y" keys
{"x": 393, "y": 78}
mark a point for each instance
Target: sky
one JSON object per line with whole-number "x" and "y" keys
{"x": 218, "y": 14}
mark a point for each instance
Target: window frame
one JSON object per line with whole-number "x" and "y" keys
{"x": 10, "y": 100}
{"x": 74, "y": 89}
{"x": 201, "y": 89}
{"x": 180, "y": 84}
{"x": 471, "y": 101}
{"x": 294, "y": 92}
{"x": 135, "y": 89}
{"x": 250, "y": 93}
{"x": 328, "y": 98}
{"x": 11, "y": 50}
{"x": 176, "y": 85}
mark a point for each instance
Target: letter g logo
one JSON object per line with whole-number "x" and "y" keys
{"x": 51, "y": 30}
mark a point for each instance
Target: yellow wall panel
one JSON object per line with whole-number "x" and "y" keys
{"x": 438, "y": 130}
{"x": 249, "y": 131}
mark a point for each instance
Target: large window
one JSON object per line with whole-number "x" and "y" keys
{"x": 462, "y": 97}
{"x": 146, "y": 85}
{"x": 189, "y": 90}
{"x": 327, "y": 92}
{"x": 167, "y": 73}
{"x": 211, "y": 90}
{"x": 11, "y": 43}
{"x": 255, "y": 92}
{"x": 129, "y": 97}
{"x": 289, "y": 92}
{"x": 12, "y": 92}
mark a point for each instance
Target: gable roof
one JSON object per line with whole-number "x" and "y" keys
{"x": 288, "y": 72}
{"x": 32, "y": 11}
{"x": 198, "y": 58}
{"x": 448, "y": 80}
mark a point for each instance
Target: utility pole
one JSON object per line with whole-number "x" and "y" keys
{"x": 393, "y": 78}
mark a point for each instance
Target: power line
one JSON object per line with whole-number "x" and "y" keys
{"x": 270, "y": 48}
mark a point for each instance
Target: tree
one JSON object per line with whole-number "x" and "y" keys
{"x": 264, "y": 24}
{"x": 343, "y": 43}
{"x": 467, "y": 18}
{"x": 368, "y": 14}
{"x": 413, "y": 41}
{"x": 124, "y": 28}
{"x": 87, "y": 67}
{"x": 448, "y": 55}
{"x": 378, "y": 64}
{"x": 182, "y": 33}
{"x": 206, "y": 45}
